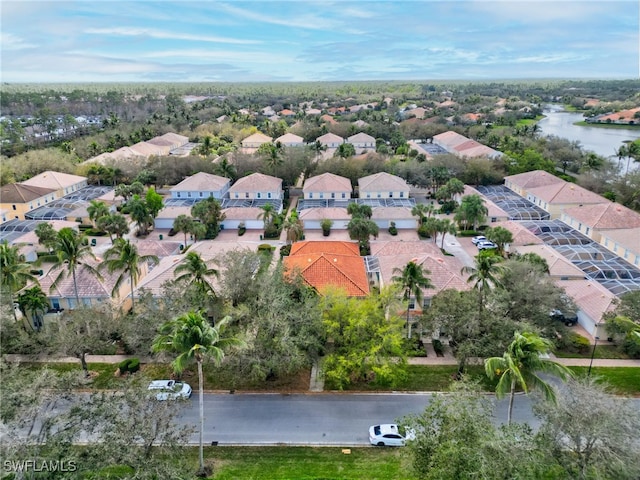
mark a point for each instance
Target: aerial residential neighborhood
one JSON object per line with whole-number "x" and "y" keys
{"x": 292, "y": 240}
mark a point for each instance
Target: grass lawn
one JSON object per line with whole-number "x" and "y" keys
{"x": 306, "y": 463}
{"x": 623, "y": 380}
{"x": 602, "y": 351}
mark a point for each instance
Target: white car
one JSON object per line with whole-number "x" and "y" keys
{"x": 486, "y": 245}
{"x": 389, "y": 435}
{"x": 170, "y": 389}
{"x": 478, "y": 239}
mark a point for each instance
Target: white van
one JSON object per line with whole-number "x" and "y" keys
{"x": 170, "y": 389}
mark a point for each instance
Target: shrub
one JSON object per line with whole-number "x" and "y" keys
{"x": 123, "y": 366}
{"x": 129, "y": 365}
{"x": 392, "y": 229}
{"x": 271, "y": 231}
{"x": 438, "y": 346}
{"x": 285, "y": 250}
{"x": 422, "y": 231}
{"x": 449, "y": 207}
{"x": 326, "y": 225}
{"x": 467, "y": 233}
{"x": 265, "y": 247}
{"x": 574, "y": 342}
{"x": 631, "y": 346}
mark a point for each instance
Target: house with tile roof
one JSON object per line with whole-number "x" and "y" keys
{"x": 327, "y": 186}
{"x": 248, "y": 216}
{"x": 523, "y": 182}
{"x": 330, "y": 140}
{"x": 462, "y": 146}
{"x": 255, "y": 140}
{"x": 362, "y": 142}
{"x": 444, "y": 271}
{"x": 201, "y": 185}
{"x": 623, "y": 242}
{"x": 494, "y": 212}
{"x": 521, "y": 236}
{"x": 146, "y": 149}
{"x": 560, "y": 268}
{"x": 256, "y": 186}
{"x": 290, "y": 140}
{"x": 326, "y": 264}
{"x": 558, "y": 197}
{"x": 312, "y": 217}
{"x": 18, "y": 199}
{"x": 400, "y": 216}
{"x": 382, "y": 185}
{"x": 167, "y": 216}
{"x": 63, "y": 183}
{"x": 593, "y": 301}
{"x": 594, "y": 220}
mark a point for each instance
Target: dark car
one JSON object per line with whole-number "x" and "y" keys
{"x": 567, "y": 318}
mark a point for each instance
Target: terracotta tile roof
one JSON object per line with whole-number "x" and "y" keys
{"x": 174, "y": 211}
{"x": 319, "y": 213}
{"x": 327, "y": 182}
{"x": 323, "y": 270}
{"x": 628, "y": 238}
{"x": 605, "y": 216}
{"x": 621, "y": 115}
{"x": 591, "y": 297}
{"x": 493, "y": 210}
{"x": 563, "y": 193}
{"x": 175, "y": 138}
{"x": 160, "y": 142}
{"x": 147, "y": 149}
{"x": 89, "y": 286}
{"x": 328, "y": 118}
{"x": 361, "y": 138}
{"x": 56, "y": 180}
{"x": 201, "y": 182}
{"x": 242, "y": 213}
{"x": 382, "y": 181}
{"x": 256, "y": 182}
{"x": 559, "y": 266}
{"x": 391, "y": 249}
{"x": 289, "y": 138}
{"x": 533, "y": 179}
{"x": 159, "y": 248}
{"x": 392, "y": 213}
{"x": 20, "y": 193}
{"x": 325, "y": 246}
{"x": 287, "y": 112}
{"x": 521, "y": 235}
{"x": 257, "y": 137}
{"x": 329, "y": 138}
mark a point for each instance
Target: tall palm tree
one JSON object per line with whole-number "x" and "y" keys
{"x": 140, "y": 214}
{"x": 485, "y": 274}
{"x": 446, "y": 226}
{"x": 183, "y": 223}
{"x": 422, "y": 211}
{"x": 71, "y": 252}
{"x": 16, "y": 273}
{"x": 520, "y": 365}
{"x": 226, "y": 169}
{"x": 294, "y": 228}
{"x": 196, "y": 271}
{"x": 123, "y": 256}
{"x": 193, "y": 339}
{"x": 268, "y": 214}
{"x": 33, "y": 300}
{"x": 412, "y": 279}
{"x": 96, "y": 210}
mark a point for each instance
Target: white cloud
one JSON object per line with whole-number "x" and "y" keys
{"x": 147, "y": 32}
{"x": 9, "y": 41}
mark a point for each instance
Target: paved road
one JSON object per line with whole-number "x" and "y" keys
{"x": 306, "y": 419}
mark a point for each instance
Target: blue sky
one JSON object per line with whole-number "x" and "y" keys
{"x": 299, "y": 40}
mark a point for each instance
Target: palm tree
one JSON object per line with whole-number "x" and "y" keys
{"x": 124, "y": 256}
{"x": 70, "y": 252}
{"x": 422, "y": 211}
{"x": 33, "y": 300}
{"x": 359, "y": 210}
{"x": 114, "y": 224}
{"x": 193, "y": 339}
{"x": 140, "y": 214}
{"x": 195, "y": 270}
{"x": 412, "y": 280}
{"x": 446, "y": 226}
{"x": 16, "y": 273}
{"x": 294, "y": 228}
{"x": 484, "y": 274}
{"x": 268, "y": 214}
{"x": 183, "y": 223}
{"x": 520, "y": 365}
{"x": 362, "y": 229}
{"x": 471, "y": 211}
{"x": 96, "y": 210}
{"x": 226, "y": 169}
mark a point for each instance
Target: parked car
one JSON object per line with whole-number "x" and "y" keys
{"x": 170, "y": 389}
{"x": 478, "y": 239}
{"x": 389, "y": 435}
{"x": 486, "y": 245}
{"x": 568, "y": 319}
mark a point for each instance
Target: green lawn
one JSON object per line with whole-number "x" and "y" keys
{"x": 623, "y": 380}
{"x": 307, "y": 463}
{"x": 606, "y": 125}
{"x": 602, "y": 351}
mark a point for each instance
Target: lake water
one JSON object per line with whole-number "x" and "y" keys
{"x": 603, "y": 141}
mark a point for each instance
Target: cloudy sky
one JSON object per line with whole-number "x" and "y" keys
{"x": 300, "y": 40}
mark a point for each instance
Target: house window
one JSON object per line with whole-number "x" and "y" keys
{"x": 259, "y": 195}
{"x": 494, "y": 219}
{"x": 72, "y": 303}
{"x": 201, "y": 195}
{"x": 310, "y": 194}
{"x": 379, "y": 195}
{"x": 412, "y": 304}
{"x": 55, "y": 303}
{"x": 579, "y": 226}
{"x": 390, "y": 194}
{"x": 401, "y": 194}
{"x": 86, "y": 302}
{"x": 236, "y": 195}
{"x": 626, "y": 254}
{"x": 189, "y": 194}
{"x": 321, "y": 195}
{"x": 344, "y": 195}
{"x": 606, "y": 242}
{"x": 178, "y": 194}
{"x": 333, "y": 195}
{"x": 14, "y": 207}
{"x": 588, "y": 230}
{"x": 268, "y": 194}
{"x": 246, "y": 194}
{"x": 426, "y": 303}
{"x": 368, "y": 195}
